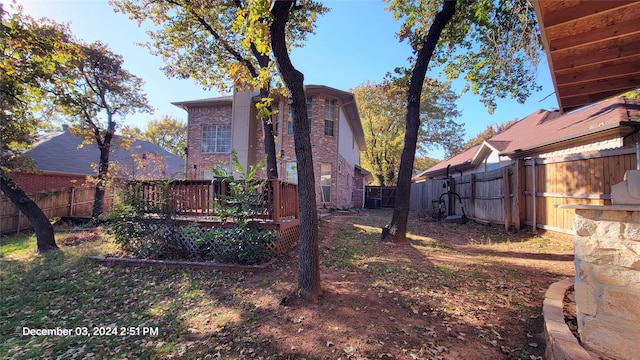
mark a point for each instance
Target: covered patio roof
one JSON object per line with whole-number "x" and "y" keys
{"x": 593, "y": 48}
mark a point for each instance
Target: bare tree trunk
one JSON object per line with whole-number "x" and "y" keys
{"x": 397, "y": 230}
{"x": 269, "y": 141}
{"x": 103, "y": 171}
{"x": 309, "y": 289}
{"x": 41, "y": 225}
{"x": 98, "y": 202}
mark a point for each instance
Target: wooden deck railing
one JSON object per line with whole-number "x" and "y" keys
{"x": 278, "y": 199}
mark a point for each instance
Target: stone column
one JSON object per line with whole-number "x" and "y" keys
{"x": 607, "y": 282}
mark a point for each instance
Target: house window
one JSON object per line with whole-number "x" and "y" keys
{"x": 216, "y": 139}
{"x": 309, "y": 116}
{"x": 325, "y": 182}
{"x": 329, "y": 116}
{"x": 292, "y": 172}
{"x": 310, "y": 110}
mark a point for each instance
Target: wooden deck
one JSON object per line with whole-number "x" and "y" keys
{"x": 277, "y": 200}
{"x": 189, "y": 202}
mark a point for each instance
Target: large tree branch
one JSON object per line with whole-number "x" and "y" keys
{"x": 425, "y": 53}
{"x": 225, "y": 45}
{"x": 280, "y": 12}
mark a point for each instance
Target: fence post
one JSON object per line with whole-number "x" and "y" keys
{"x": 518, "y": 190}
{"x": 473, "y": 192}
{"x": 533, "y": 196}
{"x": 18, "y": 224}
{"x": 507, "y": 198}
{"x": 72, "y": 195}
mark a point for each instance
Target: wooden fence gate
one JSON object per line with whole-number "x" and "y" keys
{"x": 384, "y": 196}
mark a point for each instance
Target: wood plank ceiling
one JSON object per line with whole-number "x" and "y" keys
{"x": 593, "y": 48}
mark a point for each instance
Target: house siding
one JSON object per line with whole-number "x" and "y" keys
{"x": 347, "y": 146}
{"x": 585, "y": 147}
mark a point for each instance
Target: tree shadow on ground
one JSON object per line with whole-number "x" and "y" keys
{"x": 425, "y": 299}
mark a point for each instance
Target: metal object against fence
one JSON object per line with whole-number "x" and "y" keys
{"x": 531, "y": 191}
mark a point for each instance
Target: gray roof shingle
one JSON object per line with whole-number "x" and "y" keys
{"x": 60, "y": 152}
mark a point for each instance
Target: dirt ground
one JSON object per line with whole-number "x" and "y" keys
{"x": 454, "y": 292}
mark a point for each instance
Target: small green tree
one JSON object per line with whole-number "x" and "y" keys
{"x": 168, "y": 133}
{"x": 245, "y": 199}
{"x": 98, "y": 93}
{"x": 382, "y": 108}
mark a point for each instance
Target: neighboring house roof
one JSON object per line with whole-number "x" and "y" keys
{"x": 346, "y": 98}
{"x": 617, "y": 115}
{"x": 460, "y": 162}
{"x": 58, "y": 152}
{"x": 545, "y": 130}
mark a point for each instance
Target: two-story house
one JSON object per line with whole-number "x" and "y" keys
{"x": 218, "y": 125}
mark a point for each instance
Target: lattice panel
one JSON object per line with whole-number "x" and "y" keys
{"x": 189, "y": 237}
{"x": 288, "y": 240}
{"x": 192, "y": 239}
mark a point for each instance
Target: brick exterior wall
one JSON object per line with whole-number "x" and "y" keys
{"x": 358, "y": 189}
{"x": 41, "y": 182}
{"x": 346, "y": 186}
{"x": 197, "y": 161}
{"x": 324, "y": 147}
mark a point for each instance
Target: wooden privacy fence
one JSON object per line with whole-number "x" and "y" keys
{"x": 528, "y": 192}
{"x": 580, "y": 179}
{"x": 277, "y": 200}
{"x": 73, "y": 201}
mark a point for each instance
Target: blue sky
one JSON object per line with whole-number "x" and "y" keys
{"x": 355, "y": 42}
